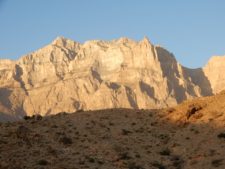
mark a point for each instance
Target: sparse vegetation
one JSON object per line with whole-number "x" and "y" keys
{"x": 42, "y": 162}
{"x": 217, "y": 162}
{"x": 124, "y": 156}
{"x": 90, "y": 159}
{"x": 221, "y": 135}
{"x": 125, "y": 132}
{"x": 158, "y": 165}
{"x": 80, "y": 110}
{"x": 134, "y": 166}
{"x": 165, "y": 152}
{"x": 26, "y": 117}
{"x": 34, "y": 117}
{"x": 86, "y": 140}
{"x": 65, "y": 140}
{"x": 177, "y": 161}
{"x": 38, "y": 117}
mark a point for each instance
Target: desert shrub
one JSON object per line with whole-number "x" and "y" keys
{"x": 54, "y": 126}
{"x": 111, "y": 123}
{"x": 65, "y": 140}
{"x": 217, "y": 162}
{"x": 125, "y": 132}
{"x": 137, "y": 156}
{"x": 158, "y": 165}
{"x": 133, "y": 123}
{"x": 90, "y": 159}
{"x": 22, "y": 132}
{"x": 124, "y": 156}
{"x": 42, "y": 162}
{"x": 177, "y": 162}
{"x": 38, "y": 117}
{"x": 80, "y": 110}
{"x": 100, "y": 162}
{"x": 165, "y": 152}
{"x": 221, "y": 135}
{"x": 164, "y": 138}
{"x": 134, "y": 166}
{"x": 81, "y": 162}
{"x": 34, "y": 117}
{"x": 187, "y": 138}
{"x": 26, "y": 117}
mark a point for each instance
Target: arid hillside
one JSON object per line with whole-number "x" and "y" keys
{"x": 189, "y": 136}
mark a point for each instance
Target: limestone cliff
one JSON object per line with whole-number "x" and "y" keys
{"x": 67, "y": 76}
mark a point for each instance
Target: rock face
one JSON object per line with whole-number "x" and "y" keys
{"x": 214, "y": 70}
{"x": 68, "y": 76}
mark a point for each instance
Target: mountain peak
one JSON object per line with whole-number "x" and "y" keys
{"x": 59, "y": 40}
{"x": 145, "y": 41}
{"x": 64, "y": 42}
{"x": 125, "y": 40}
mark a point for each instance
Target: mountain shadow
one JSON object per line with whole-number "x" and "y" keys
{"x": 173, "y": 71}
{"x": 198, "y": 78}
{"x": 5, "y": 97}
{"x": 169, "y": 67}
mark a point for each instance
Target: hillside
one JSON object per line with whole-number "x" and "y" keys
{"x": 188, "y": 136}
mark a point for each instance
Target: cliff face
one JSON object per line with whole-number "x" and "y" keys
{"x": 67, "y": 76}
{"x": 214, "y": 70}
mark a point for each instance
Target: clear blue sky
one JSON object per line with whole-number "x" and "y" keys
{"x": 193, "y": 30}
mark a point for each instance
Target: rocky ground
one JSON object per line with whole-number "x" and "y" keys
{"x": 189, "y": 136}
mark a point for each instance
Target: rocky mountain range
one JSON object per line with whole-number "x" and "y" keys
{"x": 66, "y": 76}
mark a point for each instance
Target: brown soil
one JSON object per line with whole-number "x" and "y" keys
{"x": 189, "y": 136}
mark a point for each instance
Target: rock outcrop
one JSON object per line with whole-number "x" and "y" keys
{"x": 66, "y": 76}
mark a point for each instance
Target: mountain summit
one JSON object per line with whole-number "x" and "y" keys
{"x": 66, "y": 76}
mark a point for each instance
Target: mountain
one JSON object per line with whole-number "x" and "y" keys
{"x": 188, "y": 136}
{"x": 66, "y": 76}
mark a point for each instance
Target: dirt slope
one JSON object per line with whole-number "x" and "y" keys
{"x": 189, "y": 136}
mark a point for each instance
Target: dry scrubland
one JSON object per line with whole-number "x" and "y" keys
{"x": 189, "y": 136}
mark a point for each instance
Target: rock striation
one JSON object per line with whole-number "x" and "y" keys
{"x": 66, "y": 76}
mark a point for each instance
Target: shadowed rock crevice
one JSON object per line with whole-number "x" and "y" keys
{"x": 181, "y": 80}
{"x": 18, "y": 77}
{"x": 10, "y": 111}
{"x": 170, "y": 70}
{"x": 113, "y": 86}
{"x": 5, "y": 97}
{"x": 131, "y": 97}
{"x": 199, "y": 78}
{"x": 145, "y": 88}
{"x": 96, "y": 75}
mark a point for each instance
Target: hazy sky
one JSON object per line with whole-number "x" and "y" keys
{"x": 193, "y": 30}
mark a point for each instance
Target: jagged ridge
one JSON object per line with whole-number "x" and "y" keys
{"x": 67, "y": 76}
